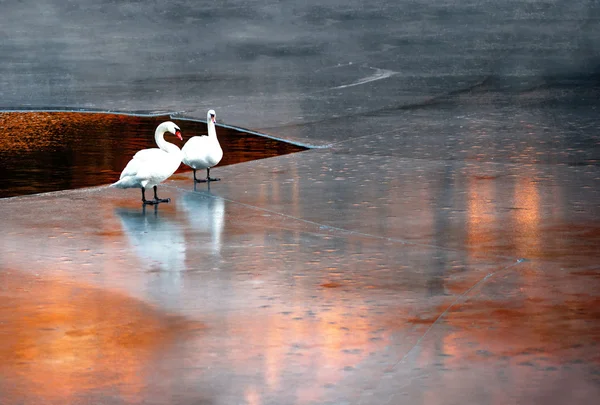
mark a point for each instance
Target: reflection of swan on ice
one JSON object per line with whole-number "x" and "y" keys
{"x": 157, "y": 241}
{"x": 205, "y": 213}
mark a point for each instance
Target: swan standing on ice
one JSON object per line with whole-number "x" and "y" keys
{"x": 203, "y": 152}
{"x": 150, "y": 167}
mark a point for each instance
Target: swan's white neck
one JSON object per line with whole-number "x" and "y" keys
{"x": 159, "y": 137}
{"x": 212, "y": 131}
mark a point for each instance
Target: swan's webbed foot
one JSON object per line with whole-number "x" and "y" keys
{"x": 158, "y": 200}
{"x": 207, "y": 179}
{"x": 155, "y": 201}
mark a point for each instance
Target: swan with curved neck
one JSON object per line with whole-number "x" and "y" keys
{"x": 204, "y": 152}
{"x": 149, "y": 167}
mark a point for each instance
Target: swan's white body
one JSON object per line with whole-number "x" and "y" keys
{"x": 150, "y": 167}
{"x": 203, "y": 152}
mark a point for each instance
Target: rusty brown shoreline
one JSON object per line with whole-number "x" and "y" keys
{"x": 174, "y": 115}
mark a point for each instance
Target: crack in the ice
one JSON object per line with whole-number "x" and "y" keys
{"x": 378, "y": 75}
{"x": 443, "y": 314}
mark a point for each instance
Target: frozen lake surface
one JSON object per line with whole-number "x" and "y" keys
{"x": 439, "y": 247}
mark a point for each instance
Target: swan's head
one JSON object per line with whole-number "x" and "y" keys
{"x": 211, "y": 115}
{"x": 172, "y": 128}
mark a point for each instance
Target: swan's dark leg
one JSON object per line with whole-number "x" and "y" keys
{"x": 198, "y": 180}
{"x": 159, "y": 200}
{"x": 208, "y": 178}
{"x": 144, "y": 197}
{"x": 148, "y": 202}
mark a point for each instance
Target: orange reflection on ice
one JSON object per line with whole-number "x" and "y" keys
{"x": 504, "y": 224}
{"x": 252, "y": 396}
{"x": 60, "y": 339}
{"x": 527, "y": 327}
{"x": 481, "y": 212}
{"x": 319, "y": 348}
{"x": 526, "y": 216}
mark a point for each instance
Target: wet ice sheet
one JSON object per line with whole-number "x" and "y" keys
{"x": 526, "y": 335}
{"x": 312, "y": 279}
{"x": 387, "y": 238}
{"x": 489, "y": 209}
{"x": 67, "y": 341}
{"x": 279, "y": 299}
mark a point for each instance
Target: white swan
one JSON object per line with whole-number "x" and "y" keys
{"x": 150, "y": 167}
{"x": 203, "y": 152}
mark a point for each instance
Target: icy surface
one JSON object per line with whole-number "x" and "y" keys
{"x": 443, "y": 249}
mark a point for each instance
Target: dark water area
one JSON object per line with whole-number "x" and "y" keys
{"x": 51, "y": 151}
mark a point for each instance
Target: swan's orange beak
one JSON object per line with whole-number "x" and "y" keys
{"x": 214, "y": 120}
{"x": 178, "y": 135}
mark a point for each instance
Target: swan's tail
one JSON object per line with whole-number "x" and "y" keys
{"x": 125, "y": 182}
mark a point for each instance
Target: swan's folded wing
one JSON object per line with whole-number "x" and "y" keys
{"x": 132, "y": 169}
{"x": 136, "y": 172}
